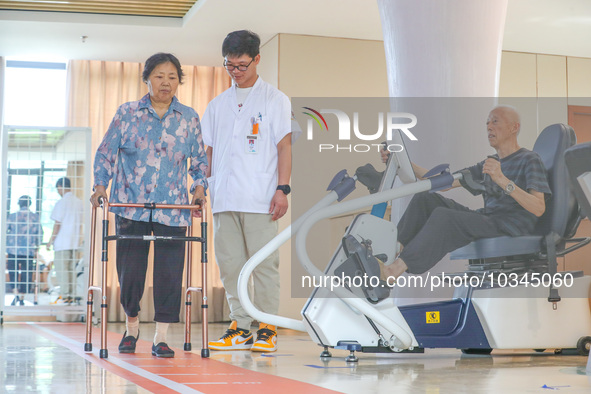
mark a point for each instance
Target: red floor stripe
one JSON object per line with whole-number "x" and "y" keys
{"x": 103, "y": 363}
{"x": 186, "y": 368}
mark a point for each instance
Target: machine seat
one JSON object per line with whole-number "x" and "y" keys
{"x": 499, "y": 247}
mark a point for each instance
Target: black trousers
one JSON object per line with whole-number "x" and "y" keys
{"x": 433, "y": 226}
{"x": 26, "y": 266}
{"x": 132, "y": 265}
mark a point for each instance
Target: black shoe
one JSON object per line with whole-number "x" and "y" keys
{"x": 22, "y": 300}
{"x": 162, "y": 350}
{"x": 14, "y": 301}
{"x": 127, "y": 344}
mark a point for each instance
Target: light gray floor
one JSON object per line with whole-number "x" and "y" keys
{"x": 31, "y": 363}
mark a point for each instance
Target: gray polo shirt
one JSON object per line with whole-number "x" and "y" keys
{"x": 527, "y": 170}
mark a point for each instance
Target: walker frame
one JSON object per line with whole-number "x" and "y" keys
{"x": 189, "y": 239}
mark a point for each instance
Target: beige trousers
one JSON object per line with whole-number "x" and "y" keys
{"x": 238, "y": 236}
{"x": 65, "y": 263}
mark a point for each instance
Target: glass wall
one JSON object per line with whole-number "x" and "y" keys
{"x": 45, "y": 210}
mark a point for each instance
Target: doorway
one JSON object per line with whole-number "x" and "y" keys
{"x": 34, "y": 159}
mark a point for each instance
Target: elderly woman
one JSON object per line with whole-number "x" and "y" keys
{"x": 145, "y": 151}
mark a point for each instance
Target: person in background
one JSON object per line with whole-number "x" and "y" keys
{"x": 66, "y": 238}
{"x": 24, "y": 235}
{"x": 145, "y": 152}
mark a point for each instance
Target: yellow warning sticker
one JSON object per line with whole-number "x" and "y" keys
{"x": 432, "y": 317}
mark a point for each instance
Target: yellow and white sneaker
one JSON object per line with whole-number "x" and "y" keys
{"x": 234, "y": 339}
{"x": 266, "y": 339}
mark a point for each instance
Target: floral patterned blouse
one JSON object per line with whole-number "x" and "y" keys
{"x": 146, "y": 156}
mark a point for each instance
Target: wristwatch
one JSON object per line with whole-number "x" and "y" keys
{"x": 285, "y": 189}
{"x": 510, "y": 187}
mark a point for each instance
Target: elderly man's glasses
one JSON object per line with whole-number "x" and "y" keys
{"x": 231, "y": 67}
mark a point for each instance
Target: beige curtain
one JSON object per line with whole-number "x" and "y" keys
{"x": 75, "y": 172}
{"x": 95, "y": 91}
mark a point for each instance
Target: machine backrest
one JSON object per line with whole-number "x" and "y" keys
{"x": 562, "y": 208}
{"x": 578, "y": 162}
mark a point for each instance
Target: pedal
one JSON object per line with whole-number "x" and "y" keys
{"x": 361, "y": 263}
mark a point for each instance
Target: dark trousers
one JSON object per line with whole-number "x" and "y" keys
{"x": 26, "y": 266}
{"x": 132, "y": 265}
{"x": 433, "y": 226}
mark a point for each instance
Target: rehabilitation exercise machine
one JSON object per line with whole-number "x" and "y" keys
{"x": 483, "y": 314}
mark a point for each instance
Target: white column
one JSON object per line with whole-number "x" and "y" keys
{"x": 443, "y": 48}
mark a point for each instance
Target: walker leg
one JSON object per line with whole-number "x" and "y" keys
{"x": 204, "y": 300}
{"x": 88, "y": 344}
{"x": 104, "y": 352}
{"x": 187, "y": 346}
{"x": 189, "y": 254}
{"x": 90, "y": 294}
{"x": 204, "y": 326}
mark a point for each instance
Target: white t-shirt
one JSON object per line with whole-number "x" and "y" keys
{"x": 241, "y": 95}
{"x": 68, "y": 212}
{"x": 244, "y": 163}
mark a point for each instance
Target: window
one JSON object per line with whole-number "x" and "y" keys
{"x": 35, "y": 93}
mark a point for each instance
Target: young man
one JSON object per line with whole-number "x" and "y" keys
{"x": 66, "y": 237}
{"x": 248, "y": 133}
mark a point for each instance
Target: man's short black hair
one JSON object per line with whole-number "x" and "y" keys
{"x": 63, "y": 182}
{"x": 241, "y": 42}
{"x": 158, "y": 59}
{"x": 24, "y": 201}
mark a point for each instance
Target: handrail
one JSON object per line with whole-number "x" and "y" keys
{"x": 261, "y": 255}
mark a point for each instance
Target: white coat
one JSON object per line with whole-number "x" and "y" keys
{"x": 244, "y": 168}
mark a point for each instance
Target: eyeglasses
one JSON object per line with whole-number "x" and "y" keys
{"x": 231, "y": 67}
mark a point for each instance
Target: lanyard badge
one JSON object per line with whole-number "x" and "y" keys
{"x": 252, "y": 139}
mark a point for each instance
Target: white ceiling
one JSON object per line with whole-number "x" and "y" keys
{"x": 541, "y": 26}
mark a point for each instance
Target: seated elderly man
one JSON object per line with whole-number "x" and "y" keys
{"x": 514, "y": 198}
